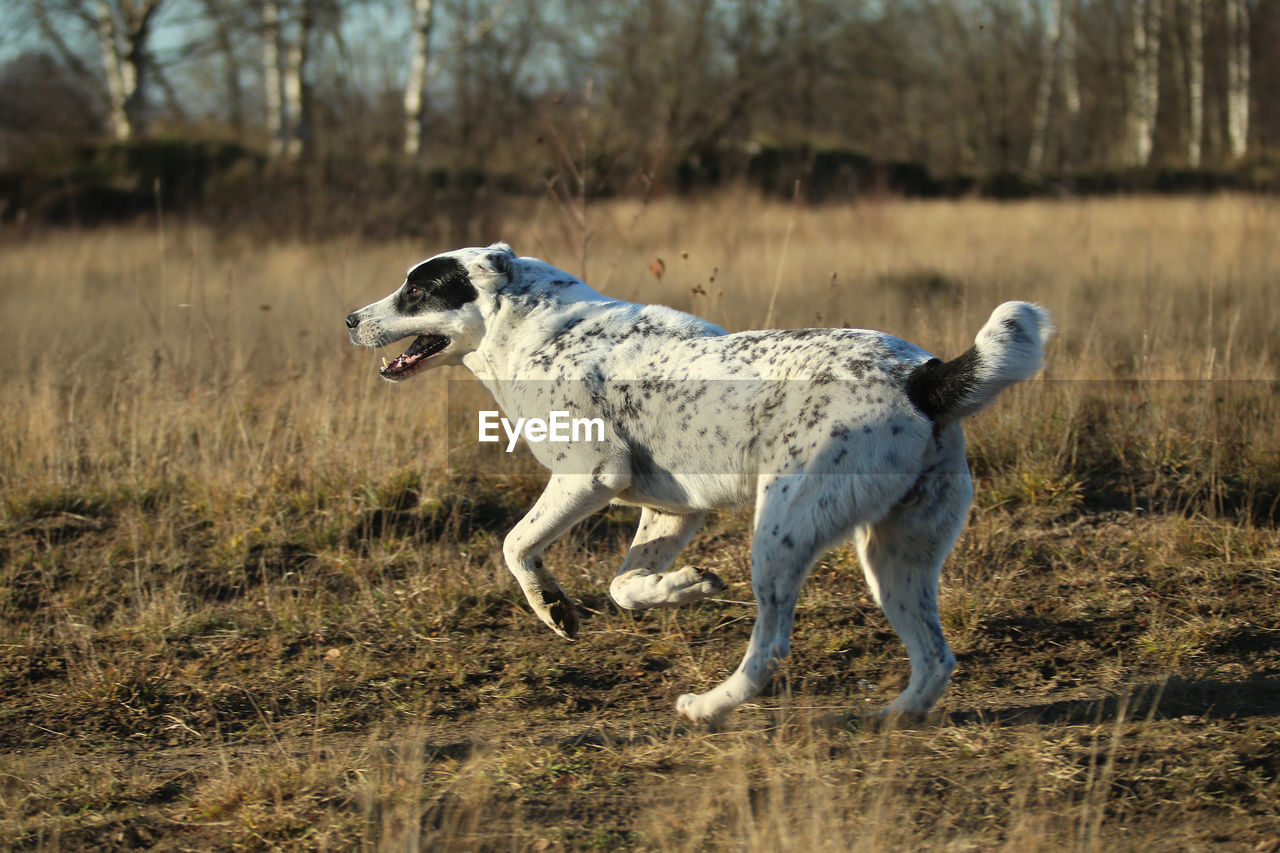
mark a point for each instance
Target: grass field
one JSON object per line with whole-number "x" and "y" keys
{"x": 248, "y": 600}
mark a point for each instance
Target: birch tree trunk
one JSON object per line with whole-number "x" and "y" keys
{"x": 296, "y": 111}
{"x": 271, "y": 76}
{"x": 1237, "y": 77}
{"x": 1049, "y": 50}
{"x": 107, "y": 40}
{"x": 1144, "y": 80}
{"x": 292, "y": 91}
{"x": 123, "y": 35}
{"x": 1137, "y": 56}
{"x": 1071, "y": 81}
{"x": 1195, "y": 81}
{"x": 415, "y": 112}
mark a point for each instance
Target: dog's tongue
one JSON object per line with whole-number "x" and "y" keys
{"x": 421, "y": 348}
{"x": 401, "y": 362}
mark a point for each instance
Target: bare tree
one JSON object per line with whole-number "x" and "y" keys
{"x": 415, "y": 102}
{"x": 286, "y": 53}
{"x": 1143, "y": 90}
{"x": 472, "y": 32}
{"x": 1049, "y": 56}
{"x": 1071, "y": 78}
{"x": 123, "y": 31}
{"x": 1195, "y": 81}
{"x": 297, "y": 109}
{"x": 965, "y": 87}
{"x": 275, "y": 123}
{"x": 222, "y": 16}
{"x": 1237, "y": 15}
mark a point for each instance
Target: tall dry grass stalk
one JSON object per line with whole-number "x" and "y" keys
{"x": 801, "y": 784}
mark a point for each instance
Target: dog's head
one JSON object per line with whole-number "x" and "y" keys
{"x": 440, "y": 305}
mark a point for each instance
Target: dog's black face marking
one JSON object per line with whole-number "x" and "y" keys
{"x": 437, "y": 286}
{"x": 440, "y": 284}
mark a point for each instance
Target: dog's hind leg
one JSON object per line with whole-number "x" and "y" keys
{"x": 566, "y": 500}
{"x": 902, "y": 557}
{"x": 644, "y": 581}
{"x": 786, "y": 542}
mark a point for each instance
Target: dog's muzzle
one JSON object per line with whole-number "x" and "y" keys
{"x": 365, "y": 334}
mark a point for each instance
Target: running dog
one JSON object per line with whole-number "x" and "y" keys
{"x": 832, "y": 433}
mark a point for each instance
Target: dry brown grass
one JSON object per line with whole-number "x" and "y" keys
{"x": 245, "y": 602}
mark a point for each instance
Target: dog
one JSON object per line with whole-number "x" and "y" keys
{"x": 832, "y": 433}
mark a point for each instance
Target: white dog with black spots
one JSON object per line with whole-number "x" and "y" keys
{"x": 832, "y": 433}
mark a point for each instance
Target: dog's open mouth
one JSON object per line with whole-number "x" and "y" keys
{"x": 422, "y": 348}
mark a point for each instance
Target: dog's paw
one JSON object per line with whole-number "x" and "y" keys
{"x": 686, "y": 705}
{"x": 692, "y": 584}
{"x": 640, "y": 589}
{"x": 693, "y": 708}
{"x": 707, "y": 581}
{"x": 560, "y": 615}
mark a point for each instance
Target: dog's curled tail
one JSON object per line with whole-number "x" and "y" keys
{"x": 1008, "y": 349}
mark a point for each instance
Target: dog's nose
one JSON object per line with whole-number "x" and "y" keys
{"x": 352, "y": 321}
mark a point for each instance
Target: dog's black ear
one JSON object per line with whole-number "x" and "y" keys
{"x": 500, "y": 257}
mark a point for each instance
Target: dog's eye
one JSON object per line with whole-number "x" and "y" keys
{"x": 413, "y": 290}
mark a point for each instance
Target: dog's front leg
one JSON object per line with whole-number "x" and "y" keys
{"x": 567, "y": 500}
